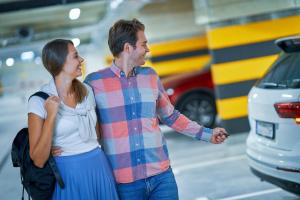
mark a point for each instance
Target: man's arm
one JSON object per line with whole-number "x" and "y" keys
{"x": 174, "y": 119}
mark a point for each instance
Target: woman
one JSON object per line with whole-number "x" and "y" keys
{"x": 67, "y": 120}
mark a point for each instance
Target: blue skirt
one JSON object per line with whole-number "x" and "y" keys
{"x": 87, "y": 176}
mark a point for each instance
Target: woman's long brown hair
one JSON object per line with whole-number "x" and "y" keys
{"x": 54, "y": 55}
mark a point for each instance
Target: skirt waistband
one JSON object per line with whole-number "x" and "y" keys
{"x": 78, "y": 157}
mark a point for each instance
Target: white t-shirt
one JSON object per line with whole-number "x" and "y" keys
{"x": 66, "y": 129}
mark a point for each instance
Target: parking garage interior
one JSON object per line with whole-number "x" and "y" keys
{"x": 231, "y": 40}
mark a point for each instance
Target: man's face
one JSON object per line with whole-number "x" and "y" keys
{"x": 139, "y": 52}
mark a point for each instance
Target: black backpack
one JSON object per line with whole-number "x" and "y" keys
{"x": 38, "y": 182}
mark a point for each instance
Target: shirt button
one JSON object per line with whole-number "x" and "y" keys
{"x": 138, "y": 160}
{"x": 135, "y": 128}
{"x": 133, "y": 113}
{"x": 131, "y": 98}
{"x": 137, "y": 144}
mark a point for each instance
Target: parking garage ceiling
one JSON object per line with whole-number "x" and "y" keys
{"x": 30, "y": 20}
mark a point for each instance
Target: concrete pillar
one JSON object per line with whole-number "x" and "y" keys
{"x": 179, "y": 56}
{"x": 177, "y": 44}
{"x": 243, "y": 49}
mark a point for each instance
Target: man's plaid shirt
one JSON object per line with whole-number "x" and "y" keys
{"x": 128, "y": 109}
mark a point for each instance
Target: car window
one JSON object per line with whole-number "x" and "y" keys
{"x": 284, "y": 74}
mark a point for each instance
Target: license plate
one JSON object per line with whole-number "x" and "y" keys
{"x": 265, "y": 129}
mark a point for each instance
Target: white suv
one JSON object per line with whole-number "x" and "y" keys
{"x": 273, "y": 144}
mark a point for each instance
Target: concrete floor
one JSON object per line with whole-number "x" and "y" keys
{"x": 203, "y": 171}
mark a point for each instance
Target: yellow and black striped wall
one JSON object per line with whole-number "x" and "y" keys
{"x": 241, "y": 54}
{"x": 177, "y": 55}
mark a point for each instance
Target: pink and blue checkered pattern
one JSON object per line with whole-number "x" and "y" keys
{"x": 128, "y": 109}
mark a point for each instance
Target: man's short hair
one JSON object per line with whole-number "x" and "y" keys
{"x": 121, "y": 32}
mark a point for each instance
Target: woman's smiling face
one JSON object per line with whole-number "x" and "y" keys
{"x": 72, "y": 65}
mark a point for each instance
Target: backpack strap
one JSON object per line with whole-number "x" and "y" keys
{"x": 41, "y": 94}
{"x": 51, "y": 161}
{"x": 53, "y": 166}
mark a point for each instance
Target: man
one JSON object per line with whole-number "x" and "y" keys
{"x": 130, "y": 102}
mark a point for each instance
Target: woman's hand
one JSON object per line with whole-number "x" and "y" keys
{"x": 52, "y": 105}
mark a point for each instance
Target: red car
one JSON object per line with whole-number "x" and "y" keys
{"x": 193, "y": 95}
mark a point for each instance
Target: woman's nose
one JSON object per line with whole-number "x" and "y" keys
{"x": 81, "y": 59}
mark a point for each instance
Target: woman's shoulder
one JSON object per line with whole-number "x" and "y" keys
{"x": 36, "y": 106}
{"x": 90, "y": 94}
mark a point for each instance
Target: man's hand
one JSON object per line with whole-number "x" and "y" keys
{"x": 56, "y": 151}
{"x": 219, "y": 135}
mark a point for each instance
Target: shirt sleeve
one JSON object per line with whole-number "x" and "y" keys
{"x": 174, "y": 119}
{"x": 36, "y": 106}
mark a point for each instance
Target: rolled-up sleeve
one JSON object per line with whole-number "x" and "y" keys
{"x": 174, "y": 119}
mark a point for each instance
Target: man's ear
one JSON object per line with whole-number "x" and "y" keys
{"x": 127, "y": 47}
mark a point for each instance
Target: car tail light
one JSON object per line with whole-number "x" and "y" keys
{"x": 289, "y": 110}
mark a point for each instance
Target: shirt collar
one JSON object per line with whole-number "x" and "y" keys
{"x": 119, "y": 72}
{"x": 50, "y": 87}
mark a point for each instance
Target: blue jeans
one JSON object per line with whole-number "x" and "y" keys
{"x": 159, "y": 187}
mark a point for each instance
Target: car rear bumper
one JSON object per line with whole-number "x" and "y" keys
{"x": 276, "y": 163}
{"x": 274, "y": 170}
{"x": 285, "y": 184}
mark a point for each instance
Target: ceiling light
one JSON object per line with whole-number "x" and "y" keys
{"x": 38, "y": 60}
{"x": 74, "y": 13}
{"x": 115, "y": 3}
{"x": 76, "y": 41}
{"x": 10, "y": 62}
{"x": 4, "y": 42}
{"x": 27, "y": 55}
{"x": 287, "y": 95}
